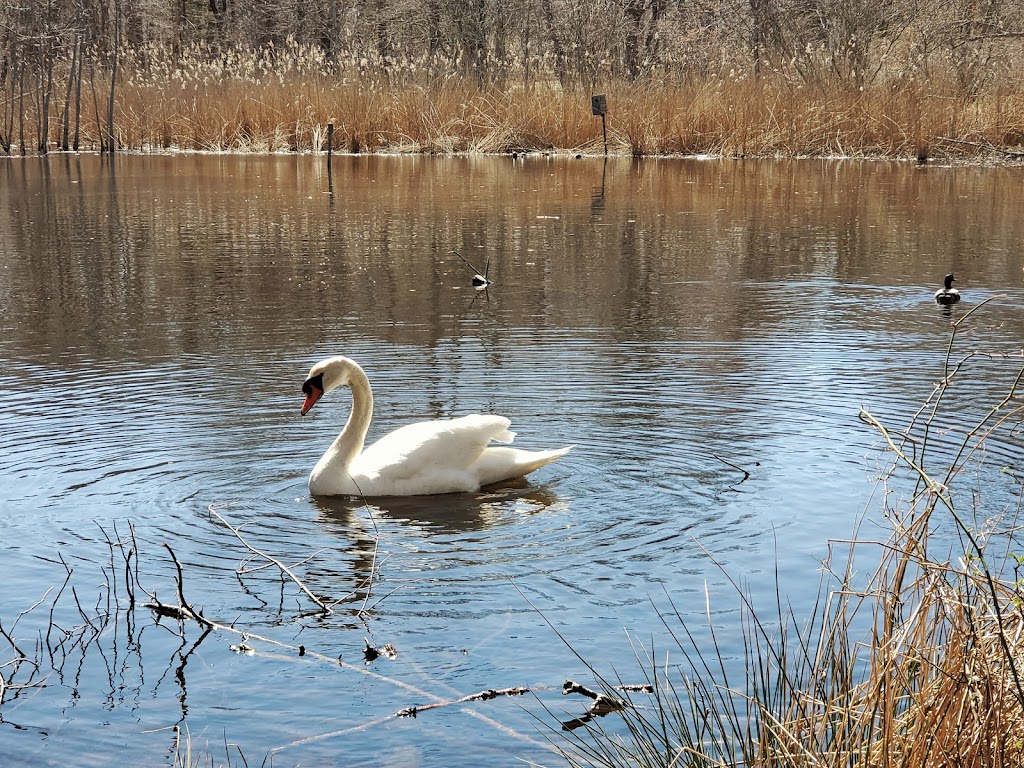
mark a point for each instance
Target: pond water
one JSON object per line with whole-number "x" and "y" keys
{"x": 704, "y": 332}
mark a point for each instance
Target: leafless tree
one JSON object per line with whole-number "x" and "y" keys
{"x": 641, "y": 19}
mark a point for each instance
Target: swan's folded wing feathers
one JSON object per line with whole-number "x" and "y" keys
{"x": 432, "y": 446}
{"x": 499, "y": 463}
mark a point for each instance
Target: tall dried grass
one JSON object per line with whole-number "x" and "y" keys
{"x": 282, "y": 100}
{"x": 920, "y": 663}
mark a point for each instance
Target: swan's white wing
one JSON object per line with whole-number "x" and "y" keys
{"x": 499, "y": 463}
{"x": 443, "y": 457}
{"x": 432, "y": 448}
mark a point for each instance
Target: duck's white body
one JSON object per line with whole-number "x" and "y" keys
{"x": 429, "y": 457}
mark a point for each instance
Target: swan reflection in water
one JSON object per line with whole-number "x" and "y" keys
{"x": 373, "y": 529}
{"x": 445, "y": 513}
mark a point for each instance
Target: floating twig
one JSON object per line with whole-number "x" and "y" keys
{"x": 490, "y": 693}
{"x": 603, "y": 704}
{"x": 738, "y": 468}
{"x": 480, "y": 281}
{"x": 183, "y": 606}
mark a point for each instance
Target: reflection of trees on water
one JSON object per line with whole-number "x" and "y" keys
{"x": 76, "y": 634}
{"x": 175, "y": 255}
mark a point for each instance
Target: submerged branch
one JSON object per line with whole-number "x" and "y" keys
{"x": 273, "y": 560}
{"x": 182, "y": 608}
{"x": 490, "y": 693}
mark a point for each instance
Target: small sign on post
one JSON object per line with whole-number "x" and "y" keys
{"x": 599, "y": 107}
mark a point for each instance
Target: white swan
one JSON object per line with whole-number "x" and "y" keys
{"x": 428, "y": 457}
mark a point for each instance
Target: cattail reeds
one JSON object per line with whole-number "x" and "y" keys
{"x": 913, "y": 653}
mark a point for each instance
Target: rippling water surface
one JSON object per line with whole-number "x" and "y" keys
{"x": 705, "y": 333}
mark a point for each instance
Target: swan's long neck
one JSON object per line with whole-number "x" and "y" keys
{"x": 349, "y": 443}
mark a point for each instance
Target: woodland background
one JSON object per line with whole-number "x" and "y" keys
{"x": 734, "y": 77}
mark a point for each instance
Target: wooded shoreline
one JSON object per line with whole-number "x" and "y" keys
{"x": 762, "y": 78}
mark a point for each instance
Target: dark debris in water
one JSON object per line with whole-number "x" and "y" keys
{"x": 173, "y": 611}
{"x": 602, "y": 705}
{"x": 637, "y": 688}
{"x": 371, "y": 653}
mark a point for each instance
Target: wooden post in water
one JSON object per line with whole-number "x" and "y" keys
{"x": 599, "y": 106}
{"x": 330, "y": 153}
{"x": 330, "y": 146}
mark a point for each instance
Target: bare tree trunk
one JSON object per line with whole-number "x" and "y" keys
{"x": 111, "y": 143}
{"x": 757, "y": 43}
{"x": 21, "y": 109}
{"x": 181, "y": 18}
{"x": 472, "y": 39}
{"x": 329, "y": 33}
{"x": 527, "y": 30}
{"x": 433, "y": 29}
{"x": 219, "y": 10}
{"x": 44, "y": 121}
{"x": 10, "y": 76}
{"x": 633, "y": 10}
{"x": 96, "y": 107}
{"x": 641, "y": 38}
{"x": 78, "y": 97}
{"x": 384, "y": 47}
{"x": 66, "y": 125}
{"x": 556, "y": 42}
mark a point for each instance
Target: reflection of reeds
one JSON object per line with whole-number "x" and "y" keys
{"x": 60, "y": 648}
{"x": 918, "y": 663}
{"x": 282, "y": 100}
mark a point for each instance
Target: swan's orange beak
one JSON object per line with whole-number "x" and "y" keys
{"x": 313, "y": 393}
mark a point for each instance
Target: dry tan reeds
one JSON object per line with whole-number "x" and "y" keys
{"x": 282, "y": 100}
{"x": 733, "y": 118}
{"x": 917, "y": 664}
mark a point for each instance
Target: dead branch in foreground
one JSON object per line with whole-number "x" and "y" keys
{"x": 281, "y": 566}
{"x": 184, "y": 611}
